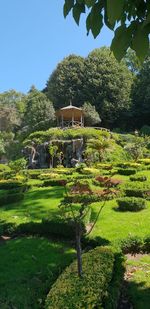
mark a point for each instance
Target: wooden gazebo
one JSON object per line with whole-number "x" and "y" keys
{"x": 70, "y": 116}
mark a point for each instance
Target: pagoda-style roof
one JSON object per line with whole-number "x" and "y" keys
{"x": 72, "y": 114}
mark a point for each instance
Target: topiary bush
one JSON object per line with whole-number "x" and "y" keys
{"x": 137, "y": 189}
{"x": 10, "y": 184}
{"x": 54, "y": 182}
{"x": 126, "y": 171}
{"x": 138, "y": 178}
{"x": 135, "y": 244}
{"x": 70, "y": 291}
{"x": 131, "y": 204}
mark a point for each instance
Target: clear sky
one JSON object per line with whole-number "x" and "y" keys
{"x": 34, "y": 37}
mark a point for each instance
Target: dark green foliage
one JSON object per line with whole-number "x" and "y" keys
{"x": 91, "y": 117}
{"x": 137, "y": 189}
{"x": 111, "y": 301}
{"x": 39, "y": 111}
{"x": 141, "y": 97}
{"x": 127, "y": 171}
{"x": 69, "y": 290}
{"x": 145, "y": 130}
{"x": 135, "y": 244}
{"x": 138, "y": 178}
{"x": 131, "y": 204}
{"x": 10, "y": 184}
{"x": 132, "y": 244}
{"x": 66, "y": 82}
{"x": 54, "y": 182}
{"x": 129, "y": 19}
{"x": 146, "y": 245}
{"x": 9, "y": 198}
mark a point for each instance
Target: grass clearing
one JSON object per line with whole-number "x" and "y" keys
{"x": 28, "y": 268}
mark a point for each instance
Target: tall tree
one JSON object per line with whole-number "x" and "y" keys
{"x": 129, "y": 19}
{"x": 11, "y": 110}
{"x": 107, "y": 85}
{"x": 39, "y": 111}
{"x": 141, "y": 96}
{"x": 66, "y": 82}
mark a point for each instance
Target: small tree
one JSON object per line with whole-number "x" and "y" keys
{"x": 53, "y": 153}
{"x": 91, "y": 116}
{"x": 77, "y": 212}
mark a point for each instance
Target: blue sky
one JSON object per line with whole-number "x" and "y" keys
{"x": 34, "y": 37}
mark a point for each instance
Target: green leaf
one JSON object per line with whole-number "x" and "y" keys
{"x": 88, "y": 23}
{"x": 68, "y": 6}
{"x": 96, "y": 20}
{"x": 147, "y": 21}
{"x": 140, "y": 43}
{"x": 114, "y": 10}
{"x": 121, "y": 41}
{"x": 89, "y": 3}
{"x": 77, "y": 10}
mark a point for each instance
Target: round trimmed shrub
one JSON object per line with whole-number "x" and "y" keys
{"x": 131, "y": 204}
{"x": 70, "y": 291}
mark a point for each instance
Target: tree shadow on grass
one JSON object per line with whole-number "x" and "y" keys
{"x": 29, "y": 266}
{"x": 139, "y": 294}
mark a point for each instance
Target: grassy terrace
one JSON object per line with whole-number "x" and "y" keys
{"x": 28, "y": 268}
{"x": 30, "y": 265}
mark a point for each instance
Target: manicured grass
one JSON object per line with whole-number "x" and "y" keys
{"x": 37, "y": 204}
{"x": 115, "y": 225}
{"x": 28, "y": 268}
{"x": 139, "y": 282}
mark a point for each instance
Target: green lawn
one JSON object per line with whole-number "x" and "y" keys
{"x": 115, "y": 225}
{"x": 28, "y": 267}
{"x": 139, "y": 282}
{"x": 37, "y": 204}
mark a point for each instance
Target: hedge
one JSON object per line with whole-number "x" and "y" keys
{"x": 69, "y": 291}
{"x": 6, "y": 198}
{"x": 126, "y": 171}
{"x": 138, "y": 178}
{"x": 137, "y": 189}
{"x": 131, "y": 204}
{"x": 10, "y": 184}
{"x": 54, "y": 182}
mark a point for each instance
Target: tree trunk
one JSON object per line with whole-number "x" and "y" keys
{"x": 78, "y": 248}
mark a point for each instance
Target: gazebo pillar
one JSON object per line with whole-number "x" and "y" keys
{"x": 62, "y": 120}
{"x": 81, "y": 119}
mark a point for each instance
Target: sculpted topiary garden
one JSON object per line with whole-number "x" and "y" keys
{"x": 41, "y": 209}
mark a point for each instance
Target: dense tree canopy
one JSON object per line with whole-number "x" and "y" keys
{"x": 129, "y": 19}
{"x": 66, "y": 82}
{"x": 141, "y": 96}
{"x": 39, "y": 111}
{"x": 98, "y": 79}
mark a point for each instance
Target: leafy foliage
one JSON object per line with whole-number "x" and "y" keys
{"x": 88, "y": 292}
{"x": 130, "y": 20}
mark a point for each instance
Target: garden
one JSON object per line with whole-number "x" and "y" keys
{"x": 78, "y": 237}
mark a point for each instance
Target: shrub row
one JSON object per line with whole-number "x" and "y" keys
{"x": 138, "y": 178}
{"x": 8, "y": 198}
{"x": 69, "y": 291}
{"x": 10, "y": 184}
{"x": 126, "y": 171}
{"x": 131, "y": 204}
